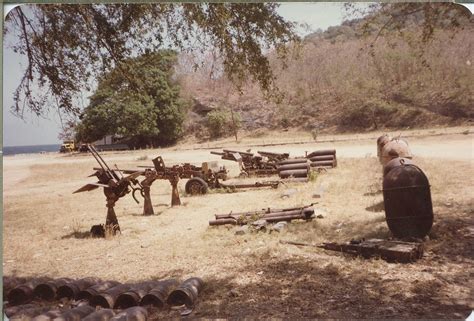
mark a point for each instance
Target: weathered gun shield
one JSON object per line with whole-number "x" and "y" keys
{"x": 407, "y": 200}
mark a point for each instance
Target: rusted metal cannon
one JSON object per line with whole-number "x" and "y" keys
{"x": 269, "y": 215}
{"x": 407, "y": 201}
{"x": 274, "y": 157}
{"x": 157, "y": 296}
{"x": 187, "y": 293}
{"x": 115, "y": 187}
{"x": 249, "y": 164}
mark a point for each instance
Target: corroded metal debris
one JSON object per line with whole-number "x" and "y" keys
{"x": 269, "y": 215}
{"x": 91, "y": 299}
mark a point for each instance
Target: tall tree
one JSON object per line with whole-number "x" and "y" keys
{"x": 67, "y": 46}
{"x": 139, "y": 100}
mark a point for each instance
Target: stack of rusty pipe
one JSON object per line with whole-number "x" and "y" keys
{"x": 116, "y": 301}
{"x": 406, "y": 190}
{"x": 269, "y": 215}
{"x": 323, "y": 158}
{"x": 293, "y": 168}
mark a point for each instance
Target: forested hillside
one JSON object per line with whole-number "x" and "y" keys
{"x": 357, "y": 76}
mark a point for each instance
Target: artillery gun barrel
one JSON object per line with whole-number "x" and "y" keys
{"x": 235, "y": 151}
{"x": 217, "y": 153}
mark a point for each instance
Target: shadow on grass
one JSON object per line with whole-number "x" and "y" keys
{"x": 377, "y": 207}
{"x": 77, "y": 235}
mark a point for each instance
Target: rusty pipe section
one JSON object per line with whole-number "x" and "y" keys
{"x": 76, "y": 314}
{"x": 157, "y": 296}
{"x": 294, "y": 173}
{"x": 23, "y": 293}
{"x": 327, "y": 163}
{"x": 322, "y": 158}
{"x": 89, "y": 292}
{"x": 132, "y": 314}
{"x": 106, "y": 299}
{"x": 47, "y": 290}
{"x": 71, "y": 289}
{"x": 263, "y": 211}
{"x": 292, "y": 161}
{"x": 187, "y": 293}
{"x": 133, "y": 296}
{"x": 100, "y": 315}
{"x": 321, "y": 153}
{"x": 305, "y": 213}
{"x": 293, "y": 166}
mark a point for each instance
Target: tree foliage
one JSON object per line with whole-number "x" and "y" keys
{"x": 67, "y": 46}
{"x": 139, "y": 100}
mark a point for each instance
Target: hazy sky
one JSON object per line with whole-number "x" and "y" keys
{"x": 39, "y": 131}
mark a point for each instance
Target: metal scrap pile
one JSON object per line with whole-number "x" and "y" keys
{"x": 269, "y": 163}
{"x": 92, "y": 299}
{"x": 406, "y": 190}
{"x": 268, "y": 215}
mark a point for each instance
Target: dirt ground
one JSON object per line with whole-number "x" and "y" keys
{"x": 253, "y": 275}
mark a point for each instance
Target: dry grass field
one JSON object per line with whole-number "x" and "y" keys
{"x": 45, "y": 232}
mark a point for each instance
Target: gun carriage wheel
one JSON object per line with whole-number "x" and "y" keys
{"x": 196, "y": 186}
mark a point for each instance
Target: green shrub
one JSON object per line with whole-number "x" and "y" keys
{"x": 220, "y": 123}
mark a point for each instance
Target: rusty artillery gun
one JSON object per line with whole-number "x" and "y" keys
{"x": 200, "y": 180}
{"x": 115, "y": 187}
{"x": 250, "y": 164}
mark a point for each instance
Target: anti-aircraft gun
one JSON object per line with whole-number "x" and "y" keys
{"x": 115, "y": 186}
{"x": 200, "y": 179}
{"x": 249, "y": 164}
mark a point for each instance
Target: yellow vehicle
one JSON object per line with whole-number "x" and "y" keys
{"x": 68, "y": 146}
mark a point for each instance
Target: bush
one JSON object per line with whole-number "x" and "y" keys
{"x": 220, "y": 123}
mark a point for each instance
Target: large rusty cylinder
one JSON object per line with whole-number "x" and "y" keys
{"x": 157, "y": 296}
{"x": 47, "y": 290}
{"x": 399, "y": 161}
{"x": 187, "y": 293}
{"x": 286, "y": 218}
{"x": 100, "y": 315}
{"x": 323, "y": 164}
{"x": 71, "y": 290}
{"x": 294, "y": 173}
{"x": 292, "y": 161}
{"x": 322, "y": 158}
{"x": 106, "y": 299}
{"x": 133, "y": 296}
{"x": 293, "y": 166}
{"x": 297, "y": 179}
{"x": 28, "y": 314}
{"x": 89, "y": 292}
{"x": 407, "y": 202}
{"x": 23, "y": 293}
{"x": 18, "y": 308}
{"x": 132, "y": 314}
{"x": 10, "y": 282}
{"x": 223, "y": 221}
{"x": 321, "y": 152}
{"x": 48, "y": 316}
{"x": 76, "y": 314}
{"x": 393, "y": 149}
{"x": 264, "y": 211}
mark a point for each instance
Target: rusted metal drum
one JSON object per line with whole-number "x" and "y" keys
{"x": 322, "y": 158}
{"x": 381, "y": 141}
{"x": 393, "y": 149}
{"x": 399, "y": 161}
{"x": 293, "y": 166}
{"x": 294, "y": 173}
{"x": 187, "y": 293}
{"x": 157, "y": 296}
{"x": 71, "y": 290}
{"x": 47, "y": 290}
{"x": 292, "y": 161}
{"x": 407, "y": 201}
